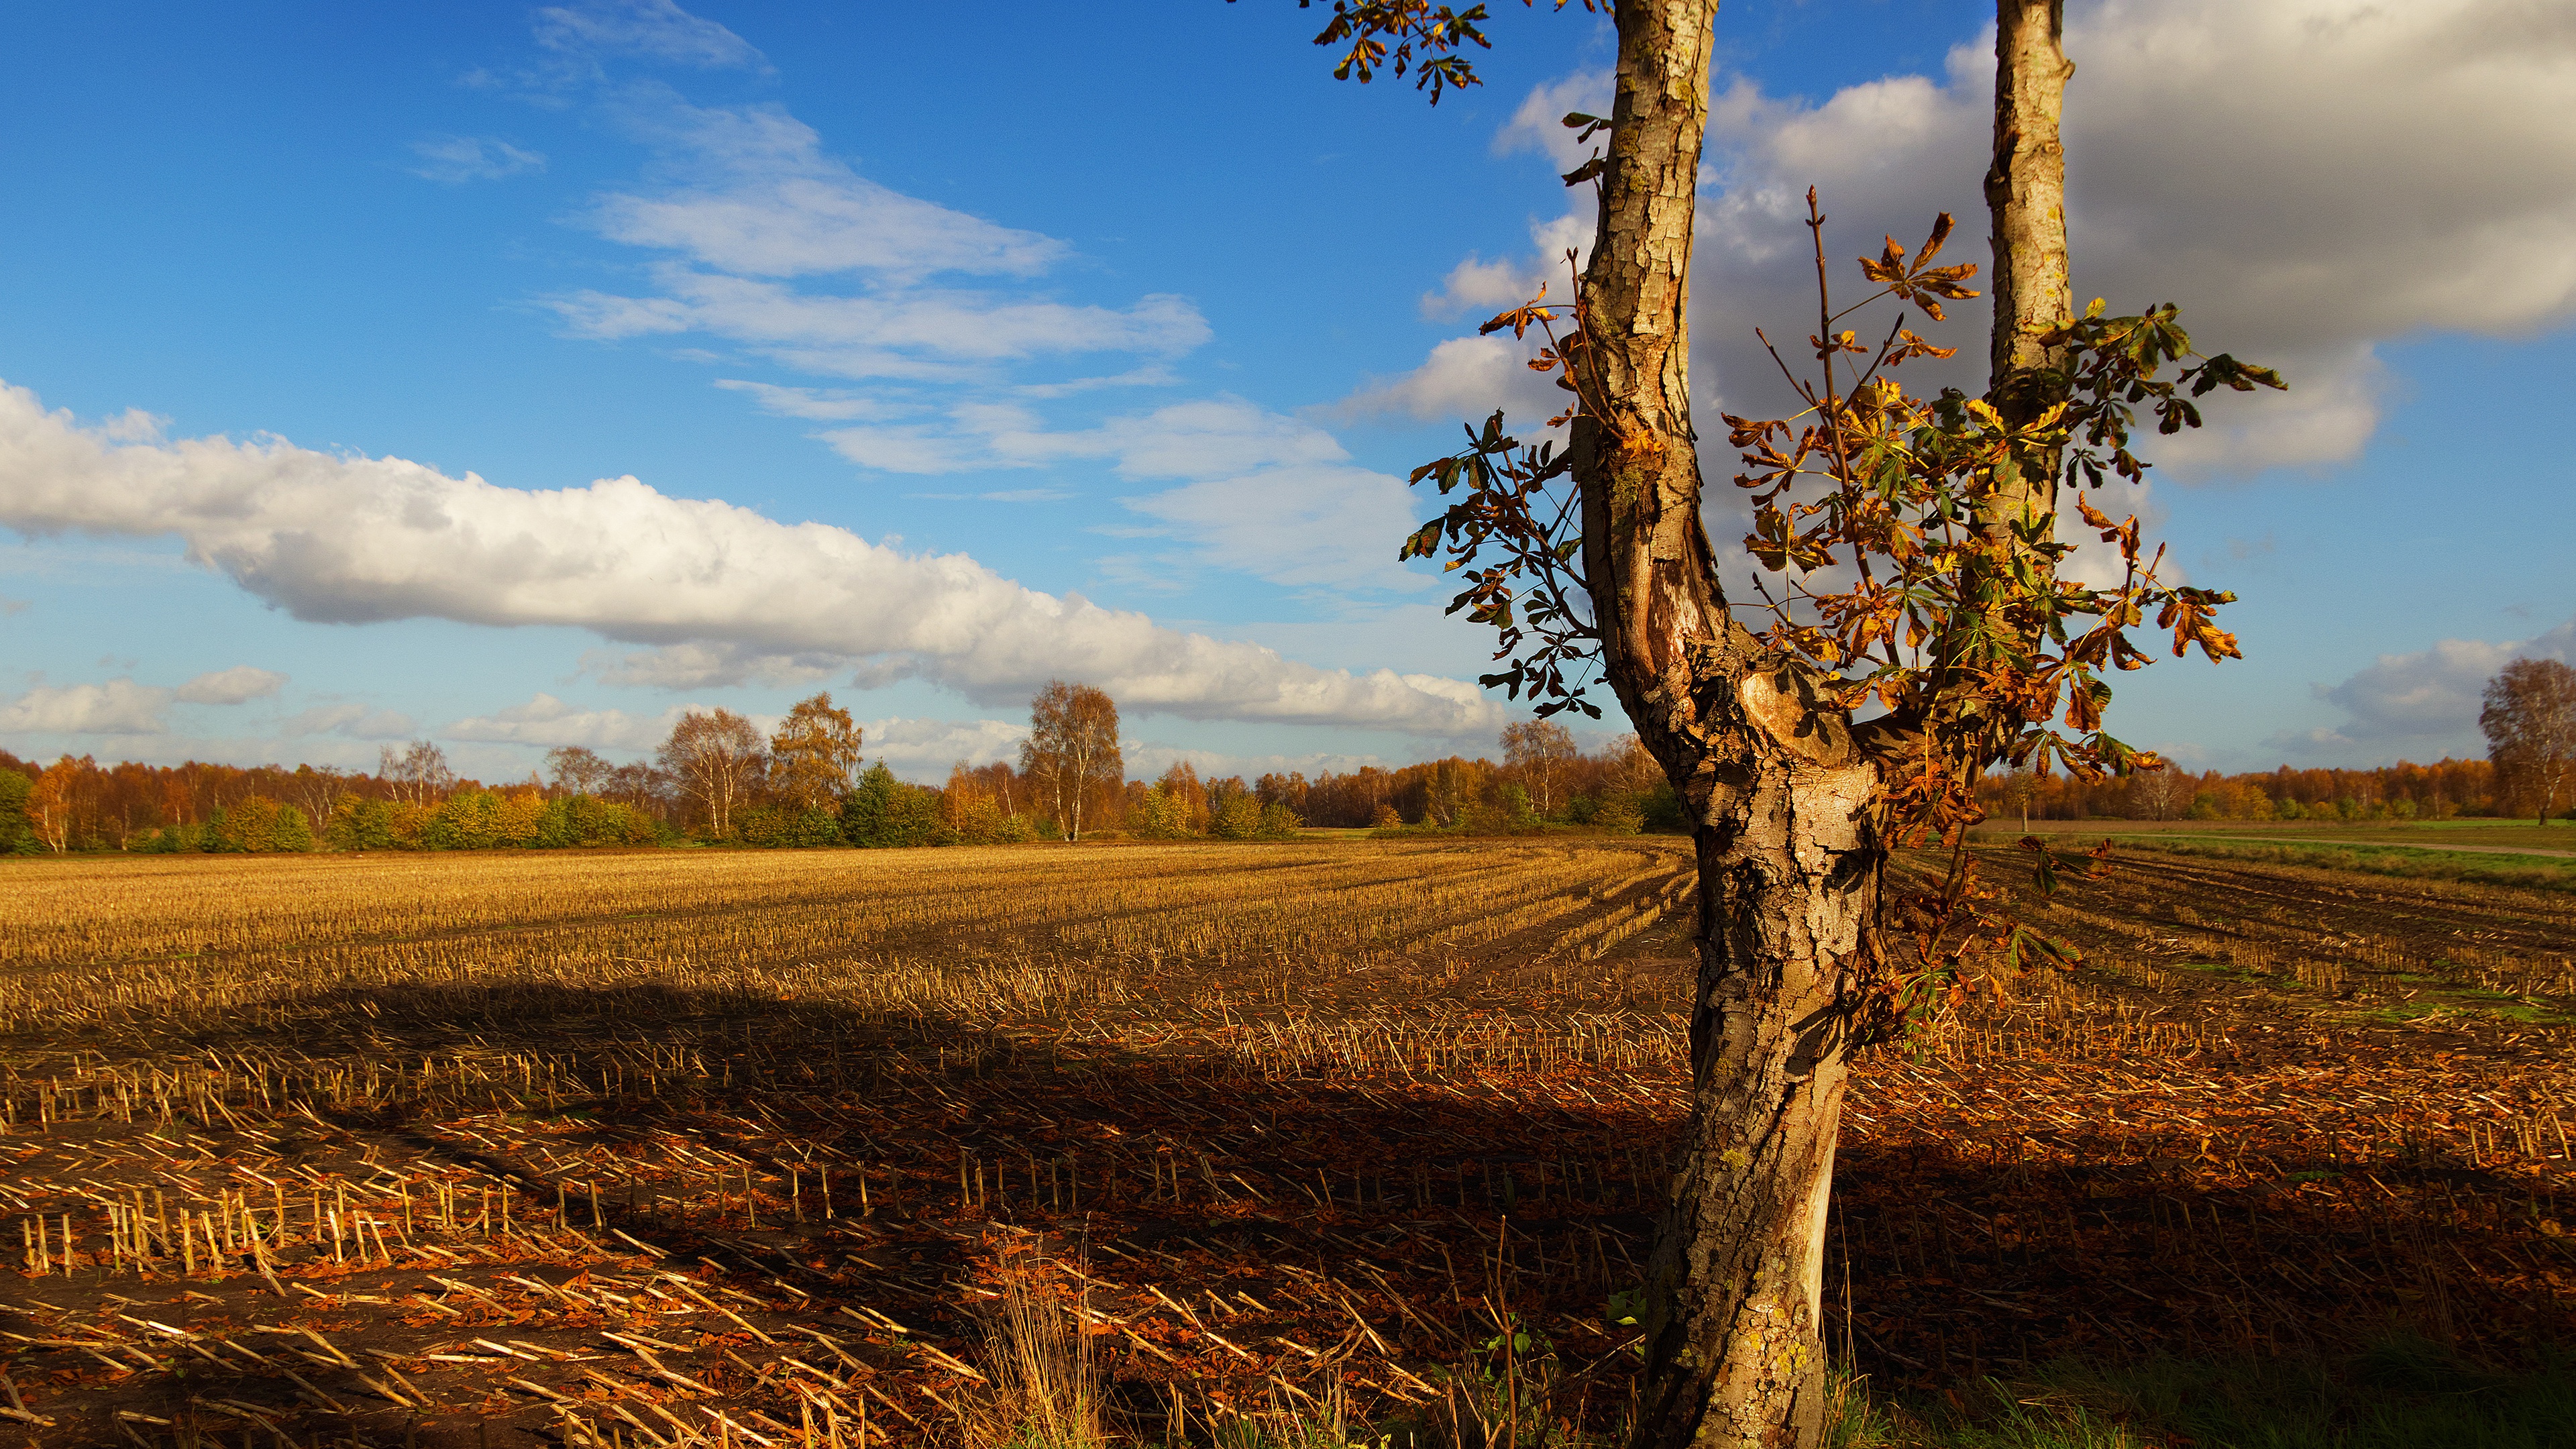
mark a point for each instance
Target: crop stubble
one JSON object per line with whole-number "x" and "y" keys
{"x": 663, "y": 1146}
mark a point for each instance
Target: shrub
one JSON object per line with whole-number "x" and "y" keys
{"x": 360, "y": 824}
{"x": 1239, "y": 818}
{"x": 17, "y": 837}
{"x": 982, "y": 822}
{"x": 1619, "y": 815}
{"x": 257, "y": 826}
{"x": 788, "y": 827}
{"x": 1159, "y": 816}
{"x": 885, "y": 812}
{"x": 1278, "y": 822}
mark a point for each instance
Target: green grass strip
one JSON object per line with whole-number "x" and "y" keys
{"x": 2529, "y": 872}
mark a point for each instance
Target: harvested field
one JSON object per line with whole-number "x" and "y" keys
{"x": 677, "y": 1147}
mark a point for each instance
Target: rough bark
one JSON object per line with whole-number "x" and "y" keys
{"x": 1785, "y": 806}
{"x": 2031, "y": 291}
{"x": 2026, "y": 201}
{"x": 1781, "y": 805}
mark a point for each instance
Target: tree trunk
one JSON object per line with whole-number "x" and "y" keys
{"x": 2026, "y": 200}
{"x": 1781, "y": 805}
{"x": 2026, "y": 186}
{"x": 1785, "y": 808}
{"x": 2026, "y": 203}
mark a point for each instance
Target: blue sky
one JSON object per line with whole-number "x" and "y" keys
{"x": 1096, "y": 341}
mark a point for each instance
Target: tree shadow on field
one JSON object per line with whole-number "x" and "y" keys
{"x": 1955, "y": 1260}
{"x": 869, "y": 1162}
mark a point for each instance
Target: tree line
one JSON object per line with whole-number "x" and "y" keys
{"x": 2529, "y": 718}
{"x": 717, "y": 779}
{"x": 2444, "y": 790}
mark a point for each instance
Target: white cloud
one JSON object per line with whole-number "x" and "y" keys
{"x": 349, "y": 720}
{"x": 1538, "y": 124}
{"x": 793, "y": 226}
{"x": 907, "y": 333}
{"x": 1464, "y": 379}
{"x": 237, "y": 685}
{"x": 356, "y": 540}
{"x": 755, "y": 194}
{"x": 2308, "y": 179}
{"x": 456, "y": 160}
{"x": 546, "y": 721}
{"x": 702, "y": 666}
{"x": 118, "y": 707}
{"x": 1324, "y": 527}
{"x": 924, "y": 749}
{"x": 918, "y": 449}
{"x": 1482, "y": 287}
{"x": 745, "y": 201}
{"x": 1266, "y": 494}
{"x": 818, "y": 404}
{"x": 2428, "y": 697}
{"x": 653, "y": 29}
{"x": 1005, "y": 495}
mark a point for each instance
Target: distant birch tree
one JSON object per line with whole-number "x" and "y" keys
{"x": 2530, "y": 725}
{"x": 1540, "y": 751}
{"x": 716, "y": 760}
{"x": 1072, "y": 750}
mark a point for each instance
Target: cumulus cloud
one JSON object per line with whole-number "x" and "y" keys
{"x": 1308, "y": 526}
{"x": 651, "y": 29}
{"x": 702, "y": 666}
{"x": 118, "y": 707}
{"x": 546, "y": 721}
{"x": 456, "y": 160}
{"x": 924, "y": 749}
{"x": 1259, "y": 492}
{"x": 2309, "y": 179}
{"x": 2428, "y": 697}
{"x": 357, "y": 540}
{"x": 237, "y": 685}
{"x": 1464, "y": 379}
{"x": 350, "y": 721}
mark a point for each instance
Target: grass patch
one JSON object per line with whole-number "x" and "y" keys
{"x": 2529, "y": 872}
{"x": 2401, "y": 1393}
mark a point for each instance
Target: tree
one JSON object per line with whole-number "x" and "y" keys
{"x": 2160, "y": 790}
{"x": 417, "y": 776}
{"x": 814, "y": 756}
{"x": 884, "y": 812}
{"x": 1072, "y": 749}
{"x": 1188, "y": 797}
{"x": 640, "y": 787}
{"x": 577, "y": 770}
{"x": 2530, "y": 724}
{"x": 54, "y": 804}
{"x": 314, "y": 788}
{"x": 1539, "y": 751}
{"x": 715, "y": 760}
{"x": 2019, "y": 787}
{"x": 15, "y": 835}
{"x": 1913, "y": 542}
